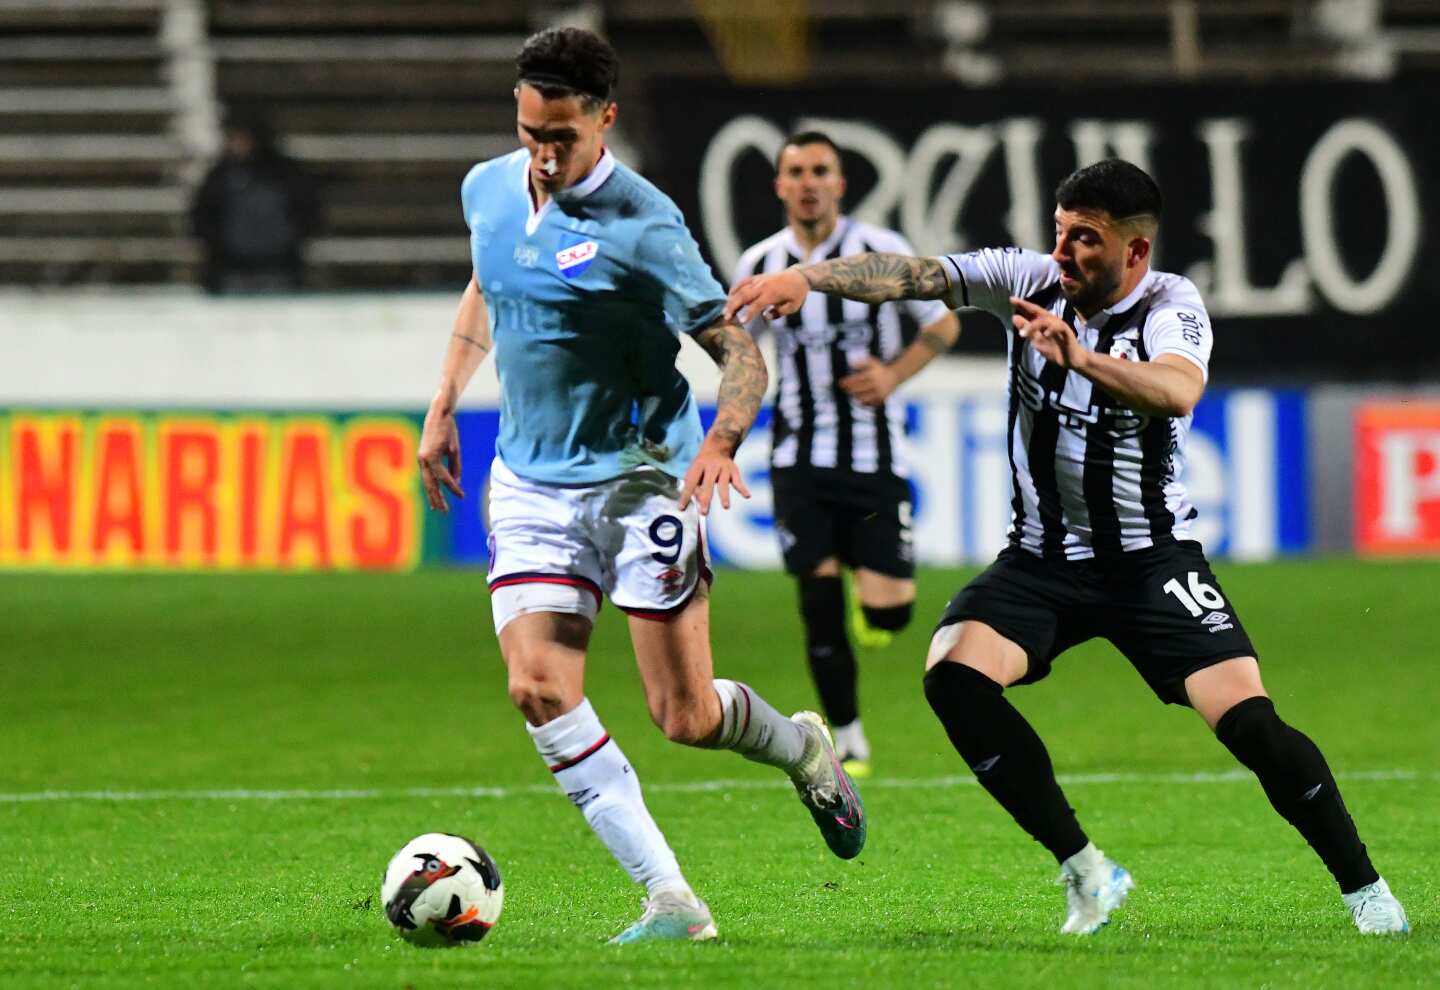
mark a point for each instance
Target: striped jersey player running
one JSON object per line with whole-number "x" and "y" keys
{"x": 1107, "y": 361}
{"x": 837, "y": 465}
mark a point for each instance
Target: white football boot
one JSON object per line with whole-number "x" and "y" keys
{"x": 671, "y": 916}
{"x": 1094, "y": 886}
{"x": 1376, "y": 911}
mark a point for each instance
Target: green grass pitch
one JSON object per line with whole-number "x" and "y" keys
{"x": 344, "y": 712}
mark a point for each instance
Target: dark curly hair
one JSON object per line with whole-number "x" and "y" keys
{"x": 565, "y": 61}
{"x": 1123, "y": 190}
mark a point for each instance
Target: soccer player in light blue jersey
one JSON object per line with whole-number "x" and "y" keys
{"x": 584, "y": 277}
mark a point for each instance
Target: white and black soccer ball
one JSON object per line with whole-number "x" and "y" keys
{"x": 442, "y": 888}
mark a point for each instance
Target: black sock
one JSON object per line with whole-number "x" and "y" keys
{"x": 832, "y": 663}
{"x": 1299, "y": 784}
{"x": 1006, "y": 755}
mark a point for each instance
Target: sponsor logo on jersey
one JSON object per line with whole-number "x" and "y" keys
{"x": 1119, "y": 422}
{"x": 575, "y": 255}
{"x": 1125, "y": 348}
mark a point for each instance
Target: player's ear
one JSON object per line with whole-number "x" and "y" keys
{"x": 608, "y": 115}
{"x": 1137, "y": 251}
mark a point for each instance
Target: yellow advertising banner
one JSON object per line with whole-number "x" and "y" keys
{"x": 107, "y": 490}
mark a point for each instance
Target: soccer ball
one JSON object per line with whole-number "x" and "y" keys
{"x": 442, "y": 888}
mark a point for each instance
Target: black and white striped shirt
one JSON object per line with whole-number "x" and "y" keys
{"x": 1088, "y": 476}
{"x": 816, "y": 424}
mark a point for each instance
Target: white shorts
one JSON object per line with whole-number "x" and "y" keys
{"x": 557, "y": 548}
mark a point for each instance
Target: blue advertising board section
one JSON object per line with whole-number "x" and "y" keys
{"x": 1247, "y": 473}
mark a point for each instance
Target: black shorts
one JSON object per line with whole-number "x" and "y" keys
{"x": 1161, "y": 607}
{"x": 863, "y": 519}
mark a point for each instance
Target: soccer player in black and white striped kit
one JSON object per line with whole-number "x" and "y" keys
{"x": 1107, "y": 362}
{"x": 837, "y": 462}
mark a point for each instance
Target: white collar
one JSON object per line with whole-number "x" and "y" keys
{"x": 604, "y": 166}
{"x": 593, "y": 180}
{"x": 792, "y": 243}
{"x": 1124, "y": 305}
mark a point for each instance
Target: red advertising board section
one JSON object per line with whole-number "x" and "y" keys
{"x": 1397, "y": 477}
{"x": 99, "y": 490}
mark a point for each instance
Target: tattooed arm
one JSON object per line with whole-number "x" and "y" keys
{"x": 439, "y": 453}
{"x": 871, "y": 278}
{"x": 743, "y": 379}
{"x": 877, "y": 278}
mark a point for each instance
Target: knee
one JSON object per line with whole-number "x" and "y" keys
{"x": 532, "y": 687}
{"x": 1250, "y": 727}
{"x": 537, "y": 697}
{"x": 891, "y": 618}
{"x": 688, "y": 725}
{"x": 953, "y": 687}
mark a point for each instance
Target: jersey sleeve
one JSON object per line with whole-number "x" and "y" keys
{"x": 1179, "y": 325}
{"x": 690, "y": 296}
{"x": 986, "y": 279}
{"x": 470, "y": 190}
{"x": 749, "y": 264}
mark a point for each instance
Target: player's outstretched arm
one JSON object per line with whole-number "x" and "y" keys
{"x": 872, "y": 380}
{"x": 871, "y": 278}
{"x": 439, "y": 453}
{"x": 743, "y": 379}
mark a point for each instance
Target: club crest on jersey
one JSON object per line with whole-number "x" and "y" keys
{"x": 1125, "y": 350}
{"x": 575, "y": 255}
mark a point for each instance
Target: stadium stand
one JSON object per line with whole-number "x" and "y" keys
{"x": 92, "y": 172}
{"x": 109, "y": 108}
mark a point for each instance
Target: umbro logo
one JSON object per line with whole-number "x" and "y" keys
{"x": 985, "y": 765}
{"x": 1217, "y": 622}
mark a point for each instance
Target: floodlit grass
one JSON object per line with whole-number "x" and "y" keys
{"x": 163, "y": 691}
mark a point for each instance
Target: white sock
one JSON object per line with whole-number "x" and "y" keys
{"x": 1085, "y": 861}
{"x": 850, "y": 740}
{"x": 756, "y": 731}
{"x": 593, "y": 772}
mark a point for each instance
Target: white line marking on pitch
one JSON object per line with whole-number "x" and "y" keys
{"x": 693, "y": 787}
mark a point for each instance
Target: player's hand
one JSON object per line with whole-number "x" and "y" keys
{"x": 713, "y": 472}
{"x": 1051, "y": 336}
{"x": 439, "y": 457}
{"x": 870, "y": 381}
{"x": 771, "y": 296}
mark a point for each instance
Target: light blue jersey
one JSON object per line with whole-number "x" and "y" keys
{"x": 587, "y": 298}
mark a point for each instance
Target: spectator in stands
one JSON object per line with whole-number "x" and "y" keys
{"x": 253, "y": 212}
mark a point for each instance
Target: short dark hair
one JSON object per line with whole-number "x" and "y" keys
{"x": 567, "y": 61}
{"x": 1121, "y": 189}
{"x": 803, "y": 138}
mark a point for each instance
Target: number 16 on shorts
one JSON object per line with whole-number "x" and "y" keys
{"x": 1198, "y": 599}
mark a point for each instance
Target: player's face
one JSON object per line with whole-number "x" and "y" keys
{"x": 810, "y": 183}
{"x": 1092, "y": 251}
{"x": 560, "y": 131}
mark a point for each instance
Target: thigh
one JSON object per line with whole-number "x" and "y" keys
{"x": 980, "y": 647}
{"x": 652, "y": 552}
{"x": 805, "y": 522}
{"x": 544, "y": 656}
{"x": 881, "y": 590}
{"x": 878, "y": 535}
{"x": 1167, "y": 613}
{"x": 541, "y": 556}
{"x": 1030, "y": 602}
